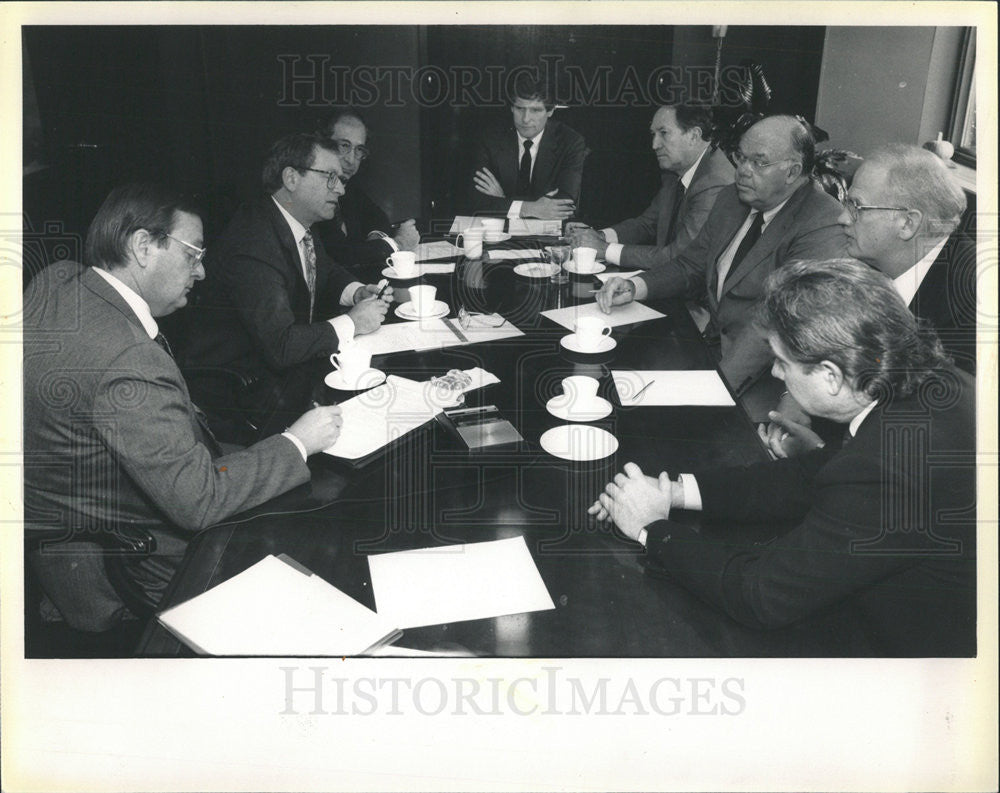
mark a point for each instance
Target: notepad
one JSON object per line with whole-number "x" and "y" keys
{"x": 620, "y": 315}
{"x": 277, "y": 607}
{"x": 668, "y": 387}
{"x": 431, "y": 334}
{"x": 431, "y": 586}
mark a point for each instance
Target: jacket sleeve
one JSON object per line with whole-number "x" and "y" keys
{"x": 683, "y": 275}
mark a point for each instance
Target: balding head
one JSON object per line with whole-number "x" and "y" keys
{"x": 774, "y": 159}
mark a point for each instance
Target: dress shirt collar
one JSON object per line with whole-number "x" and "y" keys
{"x": 298, "y": 230}
{"x": 535, "y": 143}
{"x": 856, "y": 421}
{"x": 770, "y": 213}
{"x": 136, "y": 303}
{"x": 688, "y": 176}
{"x": 909, "y": 282}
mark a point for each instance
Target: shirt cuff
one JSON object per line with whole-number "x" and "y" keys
{"x": 613, "y": 254}
{"x": 347, "y": 296}
{"x": 515, "y": 209}
{"x": 382, "y": 236}
{"x": 610, "y": 235}
{"x": 692, "y": 493}
{"x": 298, "y": 444}
{"x": 343, "y": 326}
{"x": 643, "y": 536}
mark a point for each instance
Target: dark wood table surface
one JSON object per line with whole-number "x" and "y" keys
{"x": 427, "y": 490}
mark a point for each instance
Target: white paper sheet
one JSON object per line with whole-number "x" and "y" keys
{"x": 605, "y": 277}
{"x": 700, "y": 387}
{"x": 274, "y": 609}
{"x": 525, "y": 227}
{"x": 461, "y": 223}
{"x": 436, "y": 250}
{"x": 620, "y": 315}
{"x": 522, "y": 254}
{"x": 457, "y": 582}
{"x": 430, "y": 334}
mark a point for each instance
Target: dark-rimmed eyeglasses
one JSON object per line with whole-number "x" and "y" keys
{"x": 854, "y": 208}
{"x": 345, "y": 147}
{"x": 199, "y": 253}
{"x": 332, "y": 179}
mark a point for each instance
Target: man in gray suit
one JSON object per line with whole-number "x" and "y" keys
{"x": 774, "y": 214}
{"x": 111, "y": 436}
{"x": 693, "y": 175}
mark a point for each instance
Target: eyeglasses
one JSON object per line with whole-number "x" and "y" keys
{"x": 738, "y": 158}
{"x": 467, "y": 318}
{"x": 332, "y": 179}
{"x": 854, "y": 208}
{"x": 345, "y": 147}
{"x": 197, "y": 256}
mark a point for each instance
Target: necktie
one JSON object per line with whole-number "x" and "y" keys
{"x": 748, "y": 241}
{"x": 675, "y": 213}
{"x": 524, "y": 174}
{"x": 310, "y": 259}
{"x": 210, "y": 440}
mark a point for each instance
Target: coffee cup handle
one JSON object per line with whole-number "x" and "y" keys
{"x": 605, "y": 331}
{"x": 335, "y": 360}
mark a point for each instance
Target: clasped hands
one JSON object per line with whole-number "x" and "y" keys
{"x": 634, "y": 500}
{"x": 369, "y": 311}
{"x": 546, "y": 208}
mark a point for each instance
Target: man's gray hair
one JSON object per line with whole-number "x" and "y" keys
{"x": 919, "y": 179}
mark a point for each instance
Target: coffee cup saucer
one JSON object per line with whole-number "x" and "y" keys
{"x": 605, "y": 345}
{"x": 390, "y": 272}
{"x": 581, "y": 410}
{"x": 369, "y": 378}
{"x": 407, "y": 311}
{"x": 572, "y": 268}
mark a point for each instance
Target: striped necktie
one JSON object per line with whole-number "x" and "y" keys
{"x": 309, "y": 249}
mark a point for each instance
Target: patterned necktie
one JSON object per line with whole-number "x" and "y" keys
{"x": 524, "y": 174}
{"x": 675, "y": 213}
{"x": 210, "y": 440}
{"x": 310, "y": 258}
{"x": 748, "y": 241}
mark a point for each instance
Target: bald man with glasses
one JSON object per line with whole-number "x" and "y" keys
{"x": 775, "y": 213}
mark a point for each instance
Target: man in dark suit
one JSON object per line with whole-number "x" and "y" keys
{"x": 773, "y": 215}
{"x": 901, "y": 217}
{"x": 693, "y": 175}
{"x": 111, "y": 436}
{"x": 533, "y": 169}
{"x": 360, "y": 234}
{"x": 274, "y": 299}
{"x": 883, "y": 526}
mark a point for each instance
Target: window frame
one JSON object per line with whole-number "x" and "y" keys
{"x": 963, "y": 92}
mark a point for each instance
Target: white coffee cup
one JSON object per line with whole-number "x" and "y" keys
{"x": 492, "y": 224}
{"x": 404, "y": 263}
{"x": 579, "y": 390}
{"x": 422, "y": 299}
{"x": 471, "y": 242}
{"x": 589, "y": 332}
{"x": 586, "y": 259}
{"x": 352, "y": 361}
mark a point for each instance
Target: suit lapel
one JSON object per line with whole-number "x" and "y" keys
{"x": 731, "y": 227}
{"x": 545, "y": 159}
{"x": 288, "y": 247}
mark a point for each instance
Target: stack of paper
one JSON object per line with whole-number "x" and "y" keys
{"x": 277, "y": 607}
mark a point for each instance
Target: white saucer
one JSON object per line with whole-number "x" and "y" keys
{"x": 579, "y": 442}
{"x": 369, "y": 378}
{"x": 571, "y": 268}
{"x": 593, "y": 410}
{"x": 537, "y": 270}
{"x": 606, "y": 345}
{"x": 390, "y": 272}
{"x": 405, "y": 311}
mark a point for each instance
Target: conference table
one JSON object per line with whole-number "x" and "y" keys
{"x": 426, "y": 489}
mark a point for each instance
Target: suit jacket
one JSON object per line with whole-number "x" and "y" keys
{"x": 558, "y": 165}
{"x": 111, "y": 437}
{"x": 805, "y": 228}
{"x": 947, "y": 299}
{"x": 645, "y": 237}
{"x": 884, "y": 525}
{"x": 345, "y": 237}
{"x": 253, "y": 312}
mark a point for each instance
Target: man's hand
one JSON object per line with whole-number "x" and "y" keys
{"x": 368, "y": 313}
{"x": 407, "y": 237}
{"x": 318, "y": 429}
{"x": 487, "y": 184}
{"x": 585, "y": 237}
{"x": 368, "y": 291}
{"x": 634, "y": 500}
{"x": 615, "y": 292}
{"x": 548, "y": 208}
{"x": 788, "y": 434}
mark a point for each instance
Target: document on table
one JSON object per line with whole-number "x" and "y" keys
{"x": 277, "y": 607}
{"x": 440, "y": 249}
{"x": 431, "y": 334}
{"x": 431, "y": 586}
{"x": 520, "y": 254}
{"x": 532, "y": 227}
{"x": 605, "y": 277}
{"x": 620, "y": 315}
{"x": 669, "y": 387}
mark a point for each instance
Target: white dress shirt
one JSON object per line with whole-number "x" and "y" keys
{"x": 909, "y": 282}
{"x": 725, "y": 261}
{"x": 515, "y": 206}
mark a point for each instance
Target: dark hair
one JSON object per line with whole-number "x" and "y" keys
{"x": 296, "y": 151}
{"x": 689, "y": 116}
{"x": 845, "y": 312}
{"x": 126, "y": 210}
{"x": 340, "y": 114}
{"x": 527, "y": 87}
